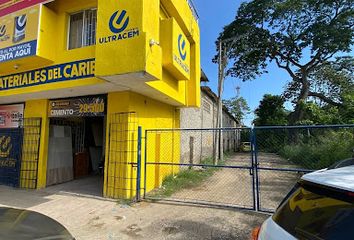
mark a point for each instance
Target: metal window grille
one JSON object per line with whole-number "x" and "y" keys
{"x": 82, "y": 30}
{"x": 30, "y": 152}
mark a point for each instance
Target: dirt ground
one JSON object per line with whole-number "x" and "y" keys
{"x": 94, "y": 218}
{"x": 227, "y": 186}
{"x": 233, "y": 186}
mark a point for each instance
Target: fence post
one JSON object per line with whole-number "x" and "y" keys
{"x": 191, "y": 151}
{"x": 256, "y": 165}
{"x": 145, "y": 161}
{"x": 138, "y": 174}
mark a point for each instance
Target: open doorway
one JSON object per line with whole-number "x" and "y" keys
{"x": 76, "y": 155}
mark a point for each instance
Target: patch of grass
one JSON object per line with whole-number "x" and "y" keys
{"x": 322, "y": 151}
{"x": 188, "y": 178}
{"x": 127, "y": 202}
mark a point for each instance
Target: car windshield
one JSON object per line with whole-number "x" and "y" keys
{"x": 317, "y": 212}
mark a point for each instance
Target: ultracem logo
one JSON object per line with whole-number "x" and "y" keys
{"x": 118, "y": 25}
{"x": 182, "y": 47}
{"x": 4, "y": 36}
{"x": 2, "y": 30}
{"x": 20, "y": 28}
{"x": 5, "y": 146}
{"x": 21, "y": 23}
{"x": 181, "y": 56}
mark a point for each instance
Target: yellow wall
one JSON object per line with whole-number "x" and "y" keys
{"x": 52, "y": 48}
{"x": 125, "y": 57}
{"x": 120, "y": 60}
{"x": 39, "y": 109}
{"x": 148, "y": 114}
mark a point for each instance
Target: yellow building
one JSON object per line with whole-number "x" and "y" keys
{"x": 80, "y": 76}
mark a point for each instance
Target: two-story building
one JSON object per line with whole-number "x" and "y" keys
{"x": 77, "y": 78}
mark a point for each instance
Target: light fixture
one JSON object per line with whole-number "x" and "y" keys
{"x": 154, "y": 42}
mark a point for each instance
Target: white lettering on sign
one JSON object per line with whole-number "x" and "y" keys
{"x": 62, "y": 112}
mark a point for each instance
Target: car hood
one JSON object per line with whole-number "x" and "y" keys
{"x": 23, "y": 224}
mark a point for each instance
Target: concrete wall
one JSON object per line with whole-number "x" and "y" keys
{"x": 198, "y": 145}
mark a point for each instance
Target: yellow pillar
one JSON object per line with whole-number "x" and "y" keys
{"x": 39, "y": 109}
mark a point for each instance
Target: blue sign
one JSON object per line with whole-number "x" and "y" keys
{"x": 182, "y": 47}
{"x": 10, "y": 156}
{"x": 57, "y": 73}
{"x": 116, "y": 24}
{"x": 18, "y": 51}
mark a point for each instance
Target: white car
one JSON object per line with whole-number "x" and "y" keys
{"x": 320, "y": 206}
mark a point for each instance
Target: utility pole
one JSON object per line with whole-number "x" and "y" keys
{"x": 222, "y": 62}
{"x": 221, "y": 80}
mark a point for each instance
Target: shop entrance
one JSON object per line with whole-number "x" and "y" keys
{"x": 76, "y": 149}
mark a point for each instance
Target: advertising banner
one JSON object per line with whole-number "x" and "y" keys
{"x": 78, "y": 107}
{"x": 11, "y": 115}
{"x": 10, "y": 156}
{"x": 19, "y": 33}
{"x": 57, "y": 73}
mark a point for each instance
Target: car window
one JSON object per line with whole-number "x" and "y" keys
{"x": 315, "y": 212}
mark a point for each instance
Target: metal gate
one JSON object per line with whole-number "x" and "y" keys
{"x": 283, "y": 154}
{"x": 180, "y": 166}
{"x": 261, "y": 166}
{"x": 31, "y": 129}
{"x": 19, "y": 154}
{"x": 121, "y": 168}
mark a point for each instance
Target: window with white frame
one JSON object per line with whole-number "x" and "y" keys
{"x": 82, "y": 29}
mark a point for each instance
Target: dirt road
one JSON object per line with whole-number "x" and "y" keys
{"x": 233, "y": 186}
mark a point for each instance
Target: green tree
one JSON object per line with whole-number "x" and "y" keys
{"x": 238, "y": 107}
{"x": 331, "y": 93}
{"x": 298, "y": 35}
{"x": 271, "y": 111}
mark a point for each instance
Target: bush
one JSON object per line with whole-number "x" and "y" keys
{"x": 320, "y": 151}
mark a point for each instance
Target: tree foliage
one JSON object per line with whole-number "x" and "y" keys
{"x": 331, "y": 93}
{"x": 271, "y": 111}
{"x": 237, "y": 106}
{"x": 300, "y": 36}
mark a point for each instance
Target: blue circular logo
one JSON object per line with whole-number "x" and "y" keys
{"x": 21, "y": 23}
{"x": 182, "y": 47}
{"x": 118, "y": 22}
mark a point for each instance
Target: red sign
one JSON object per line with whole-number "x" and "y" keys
{"x": 11, "y": 115}
{"x": 10, "y": 6}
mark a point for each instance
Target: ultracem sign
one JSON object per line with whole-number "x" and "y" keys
{"x": 18, "y": 34}
{"x": 182, "y": 50}
{"x": 118, "y": 24}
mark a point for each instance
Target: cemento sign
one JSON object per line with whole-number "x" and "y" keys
{"x": 57, "y": 73}
{"x": 19, "y": 33}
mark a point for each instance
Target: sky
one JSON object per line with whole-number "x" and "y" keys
{"x": 214, "y": 15}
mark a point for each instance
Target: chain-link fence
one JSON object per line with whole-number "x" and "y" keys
{"x": 260, "y": 167}
{"x": 181, "y": 166}
{"x": 284, "y": 154}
